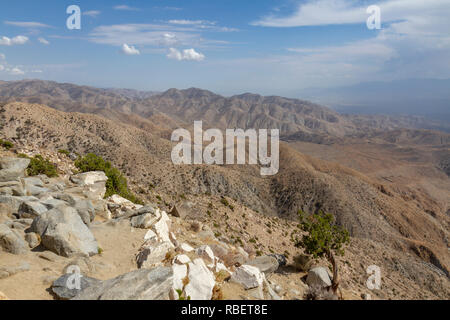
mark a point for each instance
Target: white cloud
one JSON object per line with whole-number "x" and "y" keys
{"x": 125, "y": 7}
{"x": 16, "y": 71}
{"x": 2, "y": 67}
{"x": 332, "y": 12}
{"x": 130, "y": 50}
{"x": 2, "y": 56}
{"x": 158, "y": 35}
{"x": 144, "y": 34}
{"x": 191, "y": 22}
{"x": 186, "y": 54}
{"x": 43, "y": 41}
{"x": 27, "y": 24}
{"x": 92, "y": 13}
{"x": 414, "y": 42}
{"x": 16, "y": 40}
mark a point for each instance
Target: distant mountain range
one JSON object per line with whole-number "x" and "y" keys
{"x": 291, "y": 116}
{"x": 424, "y": 97}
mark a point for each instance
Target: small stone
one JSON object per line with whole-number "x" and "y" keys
{"x": 248, "y": 276}
{"x": 186, "y": 248}
{"x": 182, "y": 259}
{"x": 33, "y": 239}
{"x": 318, "y": 277}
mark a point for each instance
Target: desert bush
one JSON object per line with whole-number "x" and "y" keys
{"x": 323, "y": 238}
{"x": 116, "y": 183}
{"x": 6, "y": 144}
{"x": 64, "y": 151}
{"x": 38, "y": 165}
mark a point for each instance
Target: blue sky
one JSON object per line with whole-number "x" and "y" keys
{"x": 270, "y": 47}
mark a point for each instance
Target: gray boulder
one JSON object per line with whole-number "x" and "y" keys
{"x": 33, "y": 239}
{"x": 51, "y": 203}
{"x": 32, "y": 190}
{"x": 15, "y": 202}
{"x": 183, "y": 210}
{"x": 60, "y": 287}
{"x": 63, "y": 232}
{"x": 146, "y": 209}
{"x": 11, "y": 241}
{"x": 145, "y": 221}
{"x": 12, "y": 188}
{"x": 142, "y": 284}
{"x": 85, "y": 209}
{"x": 33, "y": 181}
{"x": 12, "y": 168}
{"x": 318, "y": 277}
{"x": 281, "y": 258}
{"x": 31, "y": 209}
{"x": 266, "y": 264}
{"x": 94, "y": 182}
{"x": 19, "y": 224}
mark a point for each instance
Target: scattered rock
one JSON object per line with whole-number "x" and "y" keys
{"x": 182, "y": 210}
{"x": 33, "y": 239}
{"x": 145, "y": 221}
{"x": 142, "y": 284}
{"x": 206, "y": 253}
{"x": 182, "y": 259}
{"x": 179, "y": 275}
{"x": 11, "y": 241}
{"x": 63, "y": 232}
{"x": 95, "y": 182}
{"x": 161, "y": 227}
{"x": 12, "y": 168}
{"x": 150, "y": 235}
{"x": 31, "y": 209}
{"x": 201, "y": 281}
{"x": 318, "y": 277}
{"x": 266, "y": 264}
{"x": 220, "y": 250}
{"x": 153, "y": 253}
{"x": 281, "y": 258}
{"x": 186, "y": 247}
{"x": 60, "y": 286}
{"x": 248, "y": 276}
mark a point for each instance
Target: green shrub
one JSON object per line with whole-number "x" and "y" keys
{"x": 116, "y": 183}
{"x": 323, "y": 238}
{"x": 6, "y": 144}
{"x": 38, "y": 165}
{"x": 64, "y": 151}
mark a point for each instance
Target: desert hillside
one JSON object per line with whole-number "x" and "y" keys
{"x": 402, "y": 227}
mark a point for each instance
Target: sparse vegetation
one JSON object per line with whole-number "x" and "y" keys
{"x": 323, "y": 239}
{"x": 64, "y": 151}
{"x": 116, "y": 183}
{"x": 38, "y": 165}
{"x": 6, "y": 144}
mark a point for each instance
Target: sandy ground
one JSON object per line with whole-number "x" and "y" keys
{"x": 118, "y": 242}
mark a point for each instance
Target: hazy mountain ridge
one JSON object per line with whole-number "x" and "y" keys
{"x": 295, "y": 118}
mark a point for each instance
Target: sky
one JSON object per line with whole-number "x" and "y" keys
{"x": 270, "y": 47}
